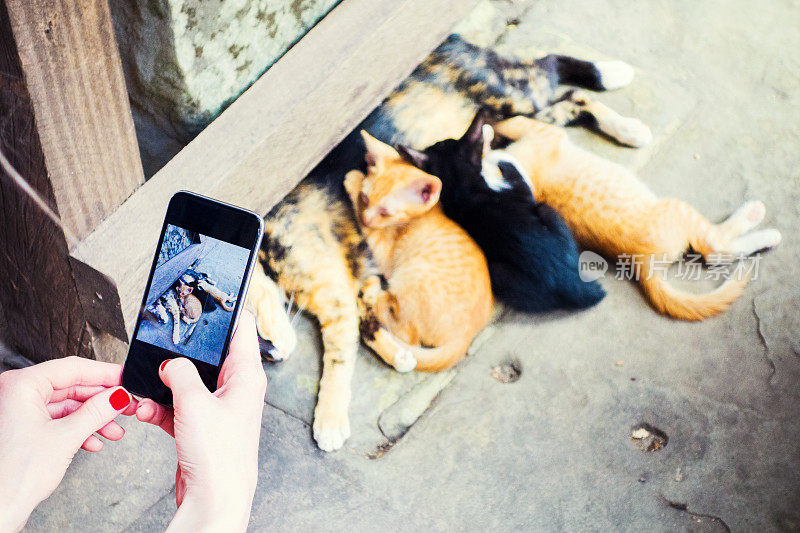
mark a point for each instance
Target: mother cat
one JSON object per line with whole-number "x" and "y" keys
{"x": 313, "y": 248}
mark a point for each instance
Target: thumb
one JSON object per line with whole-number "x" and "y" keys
{"x": 181, "y": 376}
{"x": 95, "y": 413}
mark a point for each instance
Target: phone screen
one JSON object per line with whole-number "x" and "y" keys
{"x": 194, "y": 293}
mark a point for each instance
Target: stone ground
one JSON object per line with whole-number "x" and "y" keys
{"x": 717, "y": 81}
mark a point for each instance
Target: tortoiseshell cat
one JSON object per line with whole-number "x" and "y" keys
{"x": 609, "y": 210}
{"x": 312, "y": 246}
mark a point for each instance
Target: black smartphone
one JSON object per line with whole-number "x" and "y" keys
{"x": 195, "y": 292}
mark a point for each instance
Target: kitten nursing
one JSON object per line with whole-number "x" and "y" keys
{"x": 532, "y": 256}
{"x": 609, "y": 210}
{"x": 438, "y": 294}
{"x": 435, "y": 294}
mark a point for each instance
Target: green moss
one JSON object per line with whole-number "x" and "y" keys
{"x": 244, "y": 66}
{"x": 191, "y": 15}
{"x": 235, "y": 50}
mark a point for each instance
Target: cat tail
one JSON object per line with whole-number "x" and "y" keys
{"x": 404, "y": 357}
{"x": 686, "y": 305}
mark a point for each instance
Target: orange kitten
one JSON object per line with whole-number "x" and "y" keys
{"x": 439, "y": 295}
{"x": 609, "y": 210}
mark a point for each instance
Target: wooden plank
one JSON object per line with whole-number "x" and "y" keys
{"x": 99, "y": 298}
{"x": 262, "y": 145}
{"x": 42, "y": 310}
{"x": 74, "y": 78}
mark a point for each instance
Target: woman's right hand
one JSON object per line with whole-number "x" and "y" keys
{"x": 216, "y": 435}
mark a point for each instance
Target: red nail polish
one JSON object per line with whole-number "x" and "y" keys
{"x": 119, "y": 399}
{"x": 161, "y": 368}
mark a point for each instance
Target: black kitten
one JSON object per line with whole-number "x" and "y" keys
{"x": 532, "y": 256}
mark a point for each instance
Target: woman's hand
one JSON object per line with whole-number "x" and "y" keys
{"x": 47, "y": 412}
{"x": 216, "y": 435}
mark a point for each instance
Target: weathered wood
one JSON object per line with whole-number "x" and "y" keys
{"x": 44, "y": 317}
{"x": 99, "y": 298}
{"x": 74, "y": 79}
{"x": 262, "y": 145}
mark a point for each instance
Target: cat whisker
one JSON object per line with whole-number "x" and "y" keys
{"x": 297, "y": 314}
{"x": 291, "y": 301}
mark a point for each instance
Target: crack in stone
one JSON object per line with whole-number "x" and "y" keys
{"x": 684, "y": 507}
{"x": 287, "y": 413}
{"x": 763, "y": 340}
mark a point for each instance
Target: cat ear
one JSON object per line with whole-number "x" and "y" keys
{"x": 376, "y": 150}
{"x": 474, "y": 134}
{"x": 415, "y": 157}
{"x": 473, "y": 139}
{"x": 422, "y": 191}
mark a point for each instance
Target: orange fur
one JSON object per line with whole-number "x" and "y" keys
{"x": 439, "y": 290}
{"x": 609, "y": 210}
{"x": 190, "y": 306}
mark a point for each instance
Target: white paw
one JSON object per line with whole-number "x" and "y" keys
{"x": 630, "y": 131}
{"x": 614, "y": 74}
{"x": 756, "y": 210}
{"x": 404, "y": 361}
{"x": 330, "y": 431}
{"x": 769, "y": 238}
{"x": 176, "y": 339}
{"x": 751, "y": 243}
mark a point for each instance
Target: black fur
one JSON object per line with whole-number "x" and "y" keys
{"x": 532, "y": 255}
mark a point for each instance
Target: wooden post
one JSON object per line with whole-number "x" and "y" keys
{"x": 65, "y": 125}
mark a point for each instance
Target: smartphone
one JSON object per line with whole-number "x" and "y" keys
{"x": 195, "y": 292}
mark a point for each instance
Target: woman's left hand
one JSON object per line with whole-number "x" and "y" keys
{"x": 47, "y": 412}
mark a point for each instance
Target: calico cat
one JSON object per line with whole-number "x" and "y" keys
{"x": 276, "y": 336}
{"x": 439, "y": 295}
{"x": 312, "y": 246}
{"x": 532, "y": 256}
{"x": 609, "y": 210}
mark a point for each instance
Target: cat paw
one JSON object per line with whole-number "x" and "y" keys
{"x": 756, "y": 211}
{"x": 755, "y": 241}
{"x": 404, "y": 361}
{"x": 352, "y": 182}
{"x": 331, "y": 429}
{"x": 370, "y": 290}
{"x": 614, "y": 74}
{"x": 630, "y": 131}
{"x": 768, "y": 238}
{"x": 176, "y": 339}
{"x": 746, "y": 218}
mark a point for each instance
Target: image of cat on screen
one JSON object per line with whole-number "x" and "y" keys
{"x": 194, "y": 290}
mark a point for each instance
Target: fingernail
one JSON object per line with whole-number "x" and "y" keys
{"x": 119, "y": 399}
{"x": 161, "y": 368}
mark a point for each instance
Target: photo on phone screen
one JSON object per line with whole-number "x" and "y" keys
{"x": 196, "y": 290}
{"x": 189, "y": 306}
